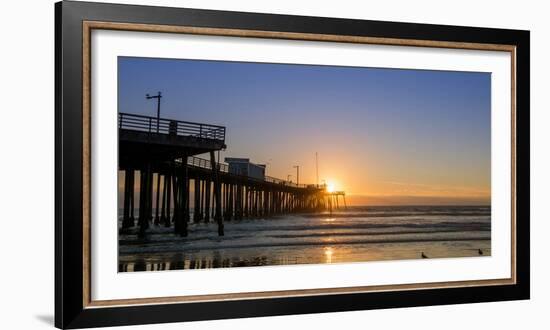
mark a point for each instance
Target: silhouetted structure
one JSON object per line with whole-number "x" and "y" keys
{"x": 333, "y": 201}
{"x": 165, "y": 158}
{"x": 243, "y": 166}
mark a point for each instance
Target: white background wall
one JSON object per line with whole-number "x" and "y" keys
{"x": 27, "y": 163}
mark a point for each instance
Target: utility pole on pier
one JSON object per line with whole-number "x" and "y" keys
{"x": 297, "y": 167}
{"x": 158, "y": 97}
{"x": 317, "y": 168}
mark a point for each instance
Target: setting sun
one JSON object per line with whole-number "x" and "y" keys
{"x": 332, "y": 185}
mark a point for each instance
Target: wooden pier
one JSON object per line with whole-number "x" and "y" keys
{"x": 175, "y": 187}
{"x": 333, "y": 199}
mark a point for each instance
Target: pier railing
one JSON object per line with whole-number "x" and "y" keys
{"x": 170, "y": 126}
{"x": 205, "y": 163}
{"x": 224, "y": 168}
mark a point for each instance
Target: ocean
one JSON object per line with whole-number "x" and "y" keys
{"x": 357, "y": 234}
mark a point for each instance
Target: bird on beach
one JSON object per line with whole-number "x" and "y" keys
{"x": 423, "y": 255}
{"x": 479, "y": 252}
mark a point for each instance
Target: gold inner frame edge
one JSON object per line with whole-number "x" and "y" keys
{"x": 88, "y": 26}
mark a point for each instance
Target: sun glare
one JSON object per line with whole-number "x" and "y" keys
{"x": 331, "y": 187}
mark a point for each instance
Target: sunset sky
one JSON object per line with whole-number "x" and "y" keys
{"x": 385, "y": 136}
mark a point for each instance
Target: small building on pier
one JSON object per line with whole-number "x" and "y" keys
{"x": 243, "y": 167}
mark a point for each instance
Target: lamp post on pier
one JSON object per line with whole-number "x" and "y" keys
{"x": 158, "y": 97}
{"x": 297, "y": 167}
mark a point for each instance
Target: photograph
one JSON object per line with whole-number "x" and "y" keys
{"x": 242, "y": 164}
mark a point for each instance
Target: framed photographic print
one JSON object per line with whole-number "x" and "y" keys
{"x": 218, "y": 164}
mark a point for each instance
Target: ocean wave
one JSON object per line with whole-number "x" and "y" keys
{"x": 256, "y": 245}
{"x": 203, "y": 231}
{"x": 393, "y": 214}
{"x": 331, "y": 225}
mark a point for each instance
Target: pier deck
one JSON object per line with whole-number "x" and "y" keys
{"x": 143, "y": 138}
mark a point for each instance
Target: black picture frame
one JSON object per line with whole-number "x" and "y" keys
{"x": 70, "y": 310}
